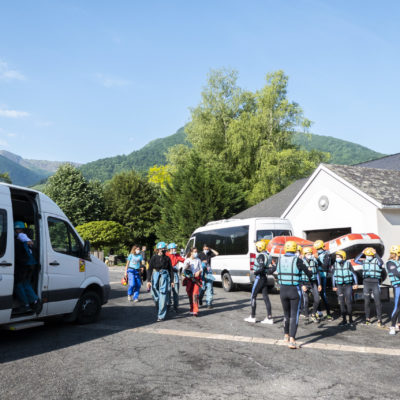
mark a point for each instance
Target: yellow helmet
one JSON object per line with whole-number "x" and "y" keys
{"x": 290, "y": 247}
{"x": 369, "y": 251}
{"x": 307, "y": 250}
{"x": 260, "y": 246}
{"x": 341, "y": 253}
{"x": 319, "y": 244}
{"x": 299, "y": 248}
{"x": 395, "y": 249}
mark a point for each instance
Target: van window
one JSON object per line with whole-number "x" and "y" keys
{"x": 63, "y": 238}
{"x": 3, "y": 232}
{"x": 271, "y": 233}
{"x": 227, "y": 241}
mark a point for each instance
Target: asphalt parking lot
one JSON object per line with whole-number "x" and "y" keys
{"x": 127, "y": 355}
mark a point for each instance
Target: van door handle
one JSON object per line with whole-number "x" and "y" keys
{"x": 54, "y": 263}
{"x": 5, "y": 264}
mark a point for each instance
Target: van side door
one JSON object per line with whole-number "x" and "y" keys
{"x": 6, "y": 255}
{"x": 65, "y": 268}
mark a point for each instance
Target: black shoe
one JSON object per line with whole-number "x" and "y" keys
{"x": 343, "y": 323}
{"x": 25, "y": 309}
{"x": 37, "y": 306}
{"x": 200, "y": 302}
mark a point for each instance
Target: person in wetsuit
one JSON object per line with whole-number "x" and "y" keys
{"x": 393, "y": 268}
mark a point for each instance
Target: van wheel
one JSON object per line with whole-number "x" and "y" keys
{"x": 227, "y": 283}
{"x": 88, "y": 308}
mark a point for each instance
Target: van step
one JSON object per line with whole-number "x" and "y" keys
{"x": 23, "y": 325}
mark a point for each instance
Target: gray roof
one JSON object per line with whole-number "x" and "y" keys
{"x": 275, "y": 205}
{"x": 391, "y": 162}
{"x": 383, "y": 185}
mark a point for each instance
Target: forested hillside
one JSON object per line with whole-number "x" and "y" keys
{"x": 342, "y": 152}
{"x": 19, "y": 175}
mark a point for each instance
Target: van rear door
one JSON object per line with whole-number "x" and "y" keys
{"x": 6, "y": 254}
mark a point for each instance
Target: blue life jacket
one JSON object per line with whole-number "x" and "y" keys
{"x": 371, "y": 269}
{"x": 393, "y": 278}
{"x": 288, "y": 273}
{"x": 342, "y": 273}
{"x": 261, "y": 264}
{"x": 312, "y": 266}
{"x": 321, "y": 269}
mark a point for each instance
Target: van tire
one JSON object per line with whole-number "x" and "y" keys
{"x": 227, "y": 282}
{"x": 88, "y": 308}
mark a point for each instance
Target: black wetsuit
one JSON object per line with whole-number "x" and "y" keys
{"x": 260, "y": 283}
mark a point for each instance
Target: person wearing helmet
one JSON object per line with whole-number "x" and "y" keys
{"x": 175, "y": 259}
{"x": 193, "y": 267}
{"x": 313, "y": 287}
{"x": 299, "y": 251}
{"x": 393, "y": 268}
{"x": 343, "y": 278}
{"x": 289, "y": 268}
{"x": 372, "y": 270}
{"x": 324, "y": 261}
{"x": 160, "y": 278}
{"x": 24, "y": 267}
{"x": 261, "y": 264}
{"x": 208, "y": 278}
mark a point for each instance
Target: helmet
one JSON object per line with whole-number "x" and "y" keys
{"x": 260, "y": 246}
{"x": 395, "y": 249}
{"x": 161, "y": 245}
{"x": 319, "y": 244}
{"x": 172, "y": 246}
{"x": 369, "y": 251}
{"x": 290, "y": 247}
{"x": 299, "y": 248}
{"x": 19, "y": 225}
{"x": 341, "y": 253}
{"x": 307, "y": 250}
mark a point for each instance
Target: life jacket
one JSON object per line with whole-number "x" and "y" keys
{"x": 322, "y": 270}
{"x": 393, "y": 278}
{"x": 371, "y": 269}
{"x": 342, "y": 273}
{"x": 312, "y": 266}
{"x": 288, "y": 273}
{"x": 261, "y": 263}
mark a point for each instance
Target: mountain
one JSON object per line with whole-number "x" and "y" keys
{"x": 341, "y": 151}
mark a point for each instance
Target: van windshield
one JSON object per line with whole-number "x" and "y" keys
{"x": 271, "y": 233}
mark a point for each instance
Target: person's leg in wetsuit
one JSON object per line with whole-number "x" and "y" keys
{"x": 372, "y": 287}
{"x": 315, "y": 293}
{"x": 290, "y": 298}
{"x": 305, "y": 301}
{"x": 344, "y": 293}
{"x": 260, "y": 285}
{"x": 396, "y": 310}
{"x": 324, "y": 298}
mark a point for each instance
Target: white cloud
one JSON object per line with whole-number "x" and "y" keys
{"x": 112, "y": 81}
{"x": 44, "y": 124}
{"x": 8, "y": 74}
{"x": 13, "y": 113}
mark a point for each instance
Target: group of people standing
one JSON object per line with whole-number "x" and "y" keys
{"x": 300, "y": 272}
{"x": 163, "y": 277}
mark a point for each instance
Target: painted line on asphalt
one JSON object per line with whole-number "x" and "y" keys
{"x": 272, "y": 342}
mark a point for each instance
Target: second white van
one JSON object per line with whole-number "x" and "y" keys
{"x": 234, "y": 240}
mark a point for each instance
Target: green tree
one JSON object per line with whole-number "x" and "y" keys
{"x": 104, "y": 233}
{"x": 5, "y": 177}
{"x": 131, "y": 201}
{"x": 81, "y": 201}
{"x": 159, "y": 175}
{"x": 198, "y": 193}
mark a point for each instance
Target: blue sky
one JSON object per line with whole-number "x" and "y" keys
{"x": 82, "y": 80}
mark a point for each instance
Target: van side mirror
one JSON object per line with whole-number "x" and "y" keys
{"x": 86, "y": 250}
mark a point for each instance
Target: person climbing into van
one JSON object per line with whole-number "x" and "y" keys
{"x": 175, "y": 259}
{"x": 324, "y": 261}
{"x": 192, "y": 268}
{"x": 393, "y": 268}
{"x": 133, "y": 272}
{"x": 372, "y": 270}
{"x": 313, "y": 287}
{"x": 344, "y": 280}
{"x": 289, "y": 268}
{"x": 207, "y": 278}
{"x": 160, "y": 278}
{"x": 261, "y": 269}
{"x": 24, "y": 265}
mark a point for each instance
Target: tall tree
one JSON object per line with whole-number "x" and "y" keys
{"x": 81, "y": 201}
{"x": 130, "y": 201}
{"x": 198, "y": 193}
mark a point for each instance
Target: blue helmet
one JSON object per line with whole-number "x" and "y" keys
{"x": 19, "y": 225}
{"x": 161, "y": 245}
{"x": 172, "y": 246}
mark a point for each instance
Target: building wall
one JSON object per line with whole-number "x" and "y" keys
{"x": 389, "y": 228}
{"x": 347, "y": 208}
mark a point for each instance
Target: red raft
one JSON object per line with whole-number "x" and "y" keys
{"x": 353, "y": 244}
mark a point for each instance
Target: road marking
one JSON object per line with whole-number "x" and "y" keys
{"x": 272, "y": 342}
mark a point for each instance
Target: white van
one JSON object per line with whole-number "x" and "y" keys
{"x": 234, "y": 240}
{"x": 66, "y": 278}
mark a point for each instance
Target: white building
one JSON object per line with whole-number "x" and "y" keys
{"x": 338, "y": 199}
